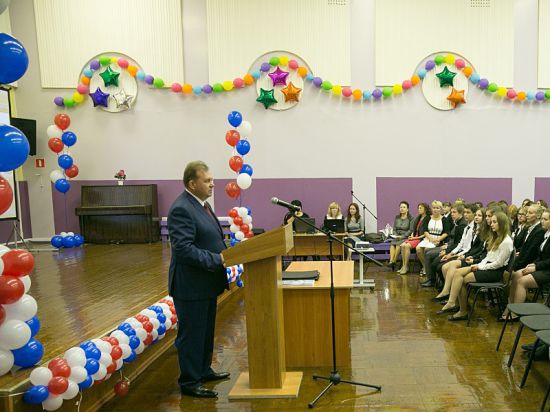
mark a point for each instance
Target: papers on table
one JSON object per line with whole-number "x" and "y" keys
{"x": 299, "y": 282}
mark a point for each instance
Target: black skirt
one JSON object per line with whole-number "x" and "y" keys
{"x": 489, "y": 276}
{"x": 542, "y": 277}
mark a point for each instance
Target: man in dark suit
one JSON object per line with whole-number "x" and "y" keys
{"x": 534, "y": 235}
{"x": 196, "y": 277}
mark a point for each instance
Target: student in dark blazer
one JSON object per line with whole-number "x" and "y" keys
{"x": 196, "y": 277}
{"x": 533, "y": 238}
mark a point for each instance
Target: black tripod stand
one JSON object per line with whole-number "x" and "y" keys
{"x": 334, "y": 378}
{"x": 364, "y": 214}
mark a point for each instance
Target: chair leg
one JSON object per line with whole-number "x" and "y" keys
{"x": 528, "y": 368}
{"x": 509, "y": 316}
{"x": 516, "y": 341}
{"x": 536, "y": 295}
{"x": 499, "y": 301}
{"x": 471, "y": 312}
{"x": 545, "y": 399}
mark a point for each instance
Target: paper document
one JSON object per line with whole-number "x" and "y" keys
{"x": 299, "y": 282}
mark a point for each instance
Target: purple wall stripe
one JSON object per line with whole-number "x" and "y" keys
{"x": 542, "y": 188}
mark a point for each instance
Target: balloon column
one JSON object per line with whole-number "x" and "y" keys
{"x": 93, "y": 362}
{"x": 18, "y": 321}
{"x": 60, "y": 139}
{"x": 67, "y": 240}
{"x": 234, "y": 274}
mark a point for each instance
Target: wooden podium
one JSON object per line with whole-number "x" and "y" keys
{"x": 267, "y": 376}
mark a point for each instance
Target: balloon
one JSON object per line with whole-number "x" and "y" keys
{"x": 36, "y": 394}
{"x": 232, "y": 190}
{"x": 60, "y": 369}
{"x": 58, "y": 384}
{"x": 6, "y": 361}
{"x": 78, "y": 374}
{"x": 56, "y": 174}
{"x": 17, "y": 262}
{"x": 65, "y": 161}
{"x": 62, "y": 185}
{"x": 14, "y": 146}
{"x": 234, "y": 118}
{"x": 6, "y": 195}
{"x": 101, "y": 373}
{"x": 57, "y": 241}
{"x": 267, "y": 97}
{"x": 72, "y": 171}
{"x": 239, "y": 235}
{"x": 116, "y": 353}
{"x": 54, "y": 132}
{"x": 456, "y": 97}
{"x": 75, "y": 357}
{"x": 105, "y": 359}
{"x": 100, "y": 98}
{"x": 71, "y": 392}
{"x": 69, "y": 138}
{"x": 26, "y": 282}
{"x": 233, "y": 213}
{"x": 235, "y": 163}
{"x": 55, "y": 144}
{"x": 86, "y": 383}
{"x": 14, "y": 60}
{"x": 245, "y": 129}
{"x": 247, "y": 169}
{"x": 34, "y": 324}
{"x": 242, "y": 147}
{"x": 245, "y": 228}
{"x": 122, "y": 388}
{"x": 243, "y": 211}
{"x": 29, "y": 354}
{"x": 78, "y": 240}
{"x": 14, "y": 334}
{"x": 232, "y": 137}
{"x": 41, "y": 376}
{"x": 133, "y": 355}
{"x": 11, "y": 289}
{"x": 133, "y": 342}
{"x": 92, "y": 365}
{"x": 68, "y": 242}
{"x": 244, "y": 181}
{"x": 62, "y": 120}
{"x": 52, "y": 403}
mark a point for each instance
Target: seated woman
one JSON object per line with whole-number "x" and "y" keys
{"x": 353, "y": 225}
{"x": 536, "y": 274}
{"x": 513, "y": 214}
{"x": 518, "y": 235}
{"x": 402, "y": 228}
{"x": 420, "y": 225}
{"x": 437, "y": 232}
{"x": 334, "y": 211}
{"x": 490, "y": 269}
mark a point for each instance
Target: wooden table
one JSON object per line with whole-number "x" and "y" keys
{"x": 315, "y": 244}
{"x": 308, "y": 340}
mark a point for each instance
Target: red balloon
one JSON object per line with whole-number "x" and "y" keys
{"x": 148, "y": 326}
{"x": 141, "y": 318}
{"x": 232, "y": 137}
{"x": 122, "y": 388}
{"x": 62, "y": 121}
{"x": 11, "y": 289}
{"x": 249, "y": 234}
{"x": 148, "y": 339}
{"x": 236, "y": 163}
{"x": 2, "y": 315}
{"x": 173, "y": 310}
{"x": 72, "y": 171}
{"x": 18, "y": 262}
{"x": 174, "y": 320}
{"x": 56, "y": 361}
{"x": 58, "y": 385}
{"x": 232, "y": 190}
{"x": 6, "y": 195}
{"x": 116, "y": 353}
{"x": 61, "y": 369}
{"x": 233, "y": 213}
{"x": 238, "y": 220}
{"x": 245, "y": 228}
{"x": 111, "y": 368}
{"x": 55, "y": 144}
{"x": 112, "y": 340}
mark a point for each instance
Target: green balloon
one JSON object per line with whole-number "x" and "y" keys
{"x": 104, "y": 60}
{"x": 158, "y": 83}
{"x": 267, "y": 97}
{"x": 217, "y": 88}
{"x": 547, "y": 94}
{"x": 492, "y": 87}
{"x": 387, "y": 91}
{"x": 68, "y": 102}
{"x": 326, "y": 85}
{"x": 274, "y": 61}
{"x": 439, "y": 59}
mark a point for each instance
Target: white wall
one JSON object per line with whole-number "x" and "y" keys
{"x": 403, "y": 136}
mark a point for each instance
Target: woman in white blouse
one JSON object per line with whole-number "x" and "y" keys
{"x": 438, "y": 230}
{"x": 334, "y": 211}
{"x": 490, "y": 269}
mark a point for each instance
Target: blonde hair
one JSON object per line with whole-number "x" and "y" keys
{"x": 496, "y": 238}
{"x": 334, "y": 204}
{"x": 437, "y": 203}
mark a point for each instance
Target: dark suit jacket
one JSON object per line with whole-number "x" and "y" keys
{"x": 543, "y": 261}
{"x": 530, "y": 249}
{"x": 456, "y": 233}
{"x": 519, "y": 239}
{"x": 196, "y": 269}
{"x": 423, "y": 225}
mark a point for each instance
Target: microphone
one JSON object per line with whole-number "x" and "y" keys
{"x": 282, "y": 203}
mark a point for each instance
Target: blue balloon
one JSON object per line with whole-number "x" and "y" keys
{"x": 155, "y": 308}
{"x": 69, "y": 138}
{"x": 36, "y": 394}
{"x": 92, "y": 365}
{"x": 34, "y": 324}
{"x": 65, "y": 161}
{"x": 161, "y": 330}
{"x": 124, "y": 325}
{"x": 86, "y": 383}
{"x": 228, "y": 271}
{"x": 129, "y": 331}
{"x": 78, "y": 240}
{"x": 92, "y": 353}
{"x": 246, "y": 168}
{"x": 234, "y": 242}
{"x": 29, "y": 354}
{"x": 130, "y": 358}
{"x": 234, "y": 118}
{"x": 62, "y": 185}
{"x": 161, "y": 317}
{"x": 13, "y": 59}
{"x": 133, "y": 342}
{"x": 57, "y": 241}
{"x": 243, "y": 147}
{"x": 68, "y": 242}
{"x": 14, "y": 146}
{"x": 88, "y": 73}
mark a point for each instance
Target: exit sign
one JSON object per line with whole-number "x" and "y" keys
{"x": 40, "y": 163}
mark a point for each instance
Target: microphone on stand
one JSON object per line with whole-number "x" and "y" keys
{"x": 282, "y": 203}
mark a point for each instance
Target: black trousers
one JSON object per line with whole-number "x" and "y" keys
{"x": 195, "y": 339}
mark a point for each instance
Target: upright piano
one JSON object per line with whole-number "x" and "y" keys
{"x": 119, "y": 214}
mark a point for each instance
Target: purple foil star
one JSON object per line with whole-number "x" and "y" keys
{"x": 278, "y": 77}
{"x": 99, "y": 98}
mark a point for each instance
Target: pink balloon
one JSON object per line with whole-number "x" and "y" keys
{"x": 407, "y": 84}
{"x": 82, "y": 89}
{"x": 511, "y": 94}
{"x": 346, "y": 92}
{"x": 123, "y": 63}
{"x": 460, "y": 64}
{"x": 238, "y": 82}
{"x": 176, "y": 87}
{"x": 293, "y": 64}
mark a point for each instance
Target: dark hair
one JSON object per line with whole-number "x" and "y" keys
{"x": 190, "y": 172}
{"x": 543, "y": 203}
{"x": 357, "y": 215}
{"x": 472, "y": 207}
{"x": 296, "y": 202}
{"x": 459, "y": 207}
{"x": 447, "y": 204}
{"x": 426, "y": 208}
{"x": 404, "y": 202}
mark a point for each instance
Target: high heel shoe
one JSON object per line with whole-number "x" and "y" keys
{"x": 392, "y": 265}
{"x": 440, "y": 298}
{"x": 404, "y": 270}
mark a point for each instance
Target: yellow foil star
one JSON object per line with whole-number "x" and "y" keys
{"x": 292, "y": 93}
{"x": 456, "y": 97}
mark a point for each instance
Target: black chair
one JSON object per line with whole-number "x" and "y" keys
{"x": 544, "y": 336}
{"x": 535, "y": 323}
{"x": 489, "y": 287}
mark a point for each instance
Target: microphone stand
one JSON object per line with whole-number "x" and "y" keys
{"x": 364, "y": 214}
{"x": 334, "y": 378}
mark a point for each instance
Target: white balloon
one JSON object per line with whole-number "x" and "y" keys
{"x": 105, "y": 359}
{"x": 164, "y": 306}
{"x": 41, "y": 376}
{"x": 141, "y": 333}
{"x": 101, "y": 373}
{"x": 154, "y": 334}
{"x": 244, "y": 239}
{"x": 247, "y": 219}
{"x": 53, "y": 130}
{"x": 120, "y": 336}
{"x": 250, "y": 226}
{"x": 243, "y": 211}
{"x": 107, "y": 376}
{"x": 140, "y": 348}
{"x": 245, "y": 129}
{"x": 155, "y": 322}
{"x": 119, "y": 364}
{"x": 148, "y": 312}
{"x": 14, "y": 334}
{"x": 52, "y": 403}
{"x": 167, "y": 313}
{"x": 75, "y": 357}
{"x": 133, "y": 322}
{"x": 71, "y": 392}
{"x": 63, "y": 234}
{"x": 244, "y": 181}
{"x": 102, "y": 345}
{"x": 168, "y": 324}
{"x": 24, "y": 309}
{"x": 6, "y": 361}
{"x": 126, "y": 350}
{"x": 234, "y": 228}
{"x": 239, "y": 235}
{"x": 56, "y": 174}
{"x": 25, "y": 279}
{"x": 1, "y": 266}
{"x": 70, "y": 233}
{"x": 78, "y": 374}
{"x": 162, "y": 336}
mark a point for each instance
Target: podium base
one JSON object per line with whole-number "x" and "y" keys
{"x": 290, "y": 389}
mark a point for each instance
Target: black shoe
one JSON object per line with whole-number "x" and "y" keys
{"x": 455, "y": 318}
{"x": 440, "y": 299}
{"x": 454, "y": 309}
{"x": 393, "y": 267}
{"x": 427, "y": 284}
{"x": 528, "y": 347}
{"x": 198, "y": 392}
{"x": 216, "y": 376}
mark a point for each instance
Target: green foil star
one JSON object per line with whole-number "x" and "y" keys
{"x": 446, "y": 77}
{"x": 110, "y": 77}
{"x": 267, "y": 97}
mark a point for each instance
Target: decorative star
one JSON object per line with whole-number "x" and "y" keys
{"x": 456, "y": 97}
{"x": 99, "y": 98}
{"x": 279, "y": 77}
{"x": 292, "y": 93}
{"x": 122, "y": 99}
{"x": 446, "y": 77}
{"x": 110, "y": 77}
{"x": 267, "y": 97}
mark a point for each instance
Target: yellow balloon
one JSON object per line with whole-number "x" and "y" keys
{"x": 397, "y": 89}
{"x": 227, "y": 85}
{"x": 114, "y": 59}
{"x": 283, "y": 60}
{"x": 501, "y": 91}
{"x": 337, "y": 90}
{"x": 449, "y": 59}
{"x": 77, "y": 97}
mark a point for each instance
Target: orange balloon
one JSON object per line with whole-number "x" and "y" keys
{"x": 248, "y": 79}
{"x": 187, "y": 88}
{"x": 521, "y": 96}
{"x": 467, "y": 71}
{"x": 85, "y": 80}
{"x": 132, "y": 70}
{"x": 357, "y": 94}
{"x": 415, "y": 79}
{"x": 302, "y": 71}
